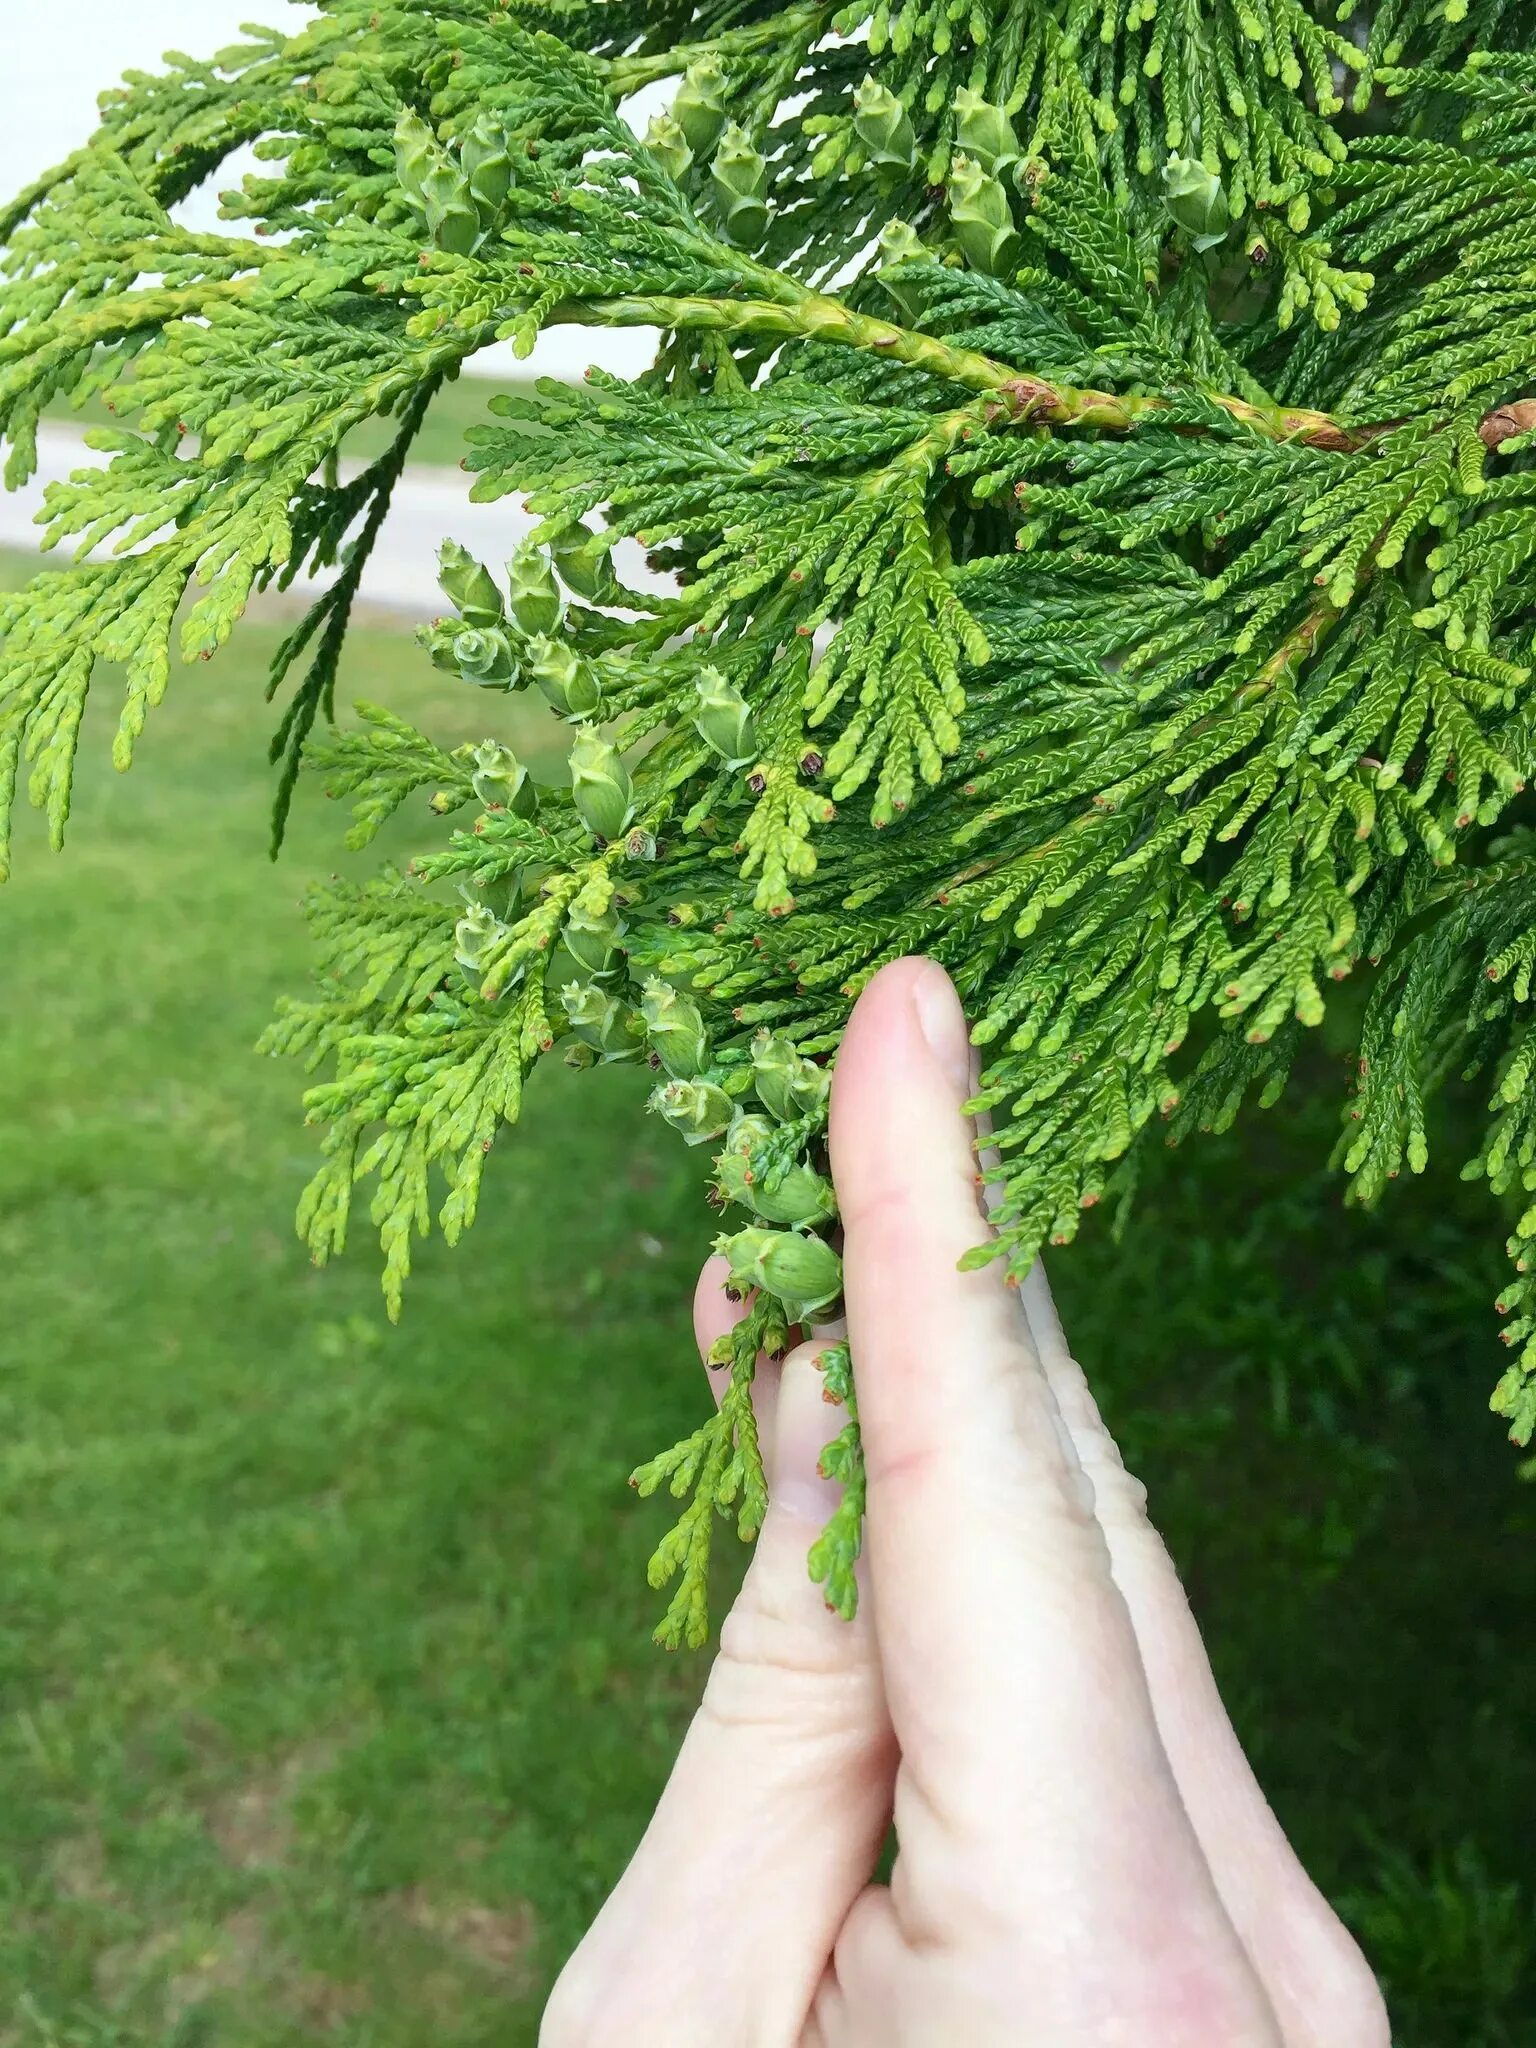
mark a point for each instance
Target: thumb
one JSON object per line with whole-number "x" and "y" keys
{"x": 773, "y": 1817}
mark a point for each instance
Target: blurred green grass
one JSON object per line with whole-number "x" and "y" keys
{"x": 327, "y": 1709}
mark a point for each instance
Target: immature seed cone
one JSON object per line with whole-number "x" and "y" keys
{"x": 1194, "y": 197}
{"x": 665, "y": 139}
{"x": 740, "y": 179}
{"x": 416, "y": 150}
{"x": 900, "y": 247}
{"x": 699, "y": 108}
{"x": 468, "y": 586}
{"x": 536, "y": 605}
{"x": 474, "y": 938}
{"x": 568, "y": 682}
{"x": 486, "y": 161}
{"x": 499, "y": 778}
{"x": 882, "y": 124}
{"x": 453, "y": 221}
{"x": 675, "y": 1029}
{"x": 585, "y": 563}
{"x": 698, "y": 1109}
{"x": 748, "y": 1128}
{"x": 600, "y": 1020}
{"x": 485, "y": 655}
{"x": 981, "y": 218}
{"x": 592, "y": 939}
{"x": 799, "y": 1195}
{"x": 899, "y": 243}
{"x": 600, "y": 784}
{"x": 724, "y": 718}
{"x": 984, "y": 131}
{"x": 803, "y": 1273}
{"x": 788, "y": 1085}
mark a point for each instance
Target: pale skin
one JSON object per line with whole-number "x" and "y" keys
{"x": 1085, "y": 1859}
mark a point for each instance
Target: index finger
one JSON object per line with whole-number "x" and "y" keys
{"x": 1011, "y": 1666}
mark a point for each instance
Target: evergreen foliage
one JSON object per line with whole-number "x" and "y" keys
{"x": 1092, "y": 447}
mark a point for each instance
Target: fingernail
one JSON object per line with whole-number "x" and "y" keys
{"x": 942, "y": 1023}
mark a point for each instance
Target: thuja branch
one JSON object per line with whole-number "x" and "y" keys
{"x": 1298, "y": 647}
{"x": 1021, "y": 397}
{"x": 627, "y": 74}
{"x": 331, "y": 615}
{"x": 115, "y": 319}
{"x": 1237, "y": 674}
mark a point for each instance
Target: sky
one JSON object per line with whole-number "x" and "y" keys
{"x": 59, "y": 56}
{"x": 61, "y": 53}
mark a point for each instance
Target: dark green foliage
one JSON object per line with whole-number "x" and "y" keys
{"x": 1117, "y": 582}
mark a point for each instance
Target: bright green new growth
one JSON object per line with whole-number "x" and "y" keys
{"x": 1093, "y": 448}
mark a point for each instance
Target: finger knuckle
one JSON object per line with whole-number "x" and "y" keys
{"x": 773, "y": 1672}
{"x": 760, "y": 1640}
{"x": 1117, "y": 1487}
{"x": 1120, "y": 1497}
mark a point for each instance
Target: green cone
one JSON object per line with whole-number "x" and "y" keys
{"x": 665, "y": 139}
{"x": 536, "y": 605}
{"x": 475, "y": 937}
{"x": 438, "y": 637}
{"x": 803, "y": 1273}
{"x": 600, "y": 784}
{"x": 600, "y": 1020}
{"x": 485, "y": 655}
{"x": 740, "y": 179}
{"x": 788, "y": 1085}
{"x": 748, "y": 1128}
{"x": 585, "y": 563}
{"x": 1196, "y": 200}
{"x": 416, "y": 150}
{"x": 698, "y": 1109}
{"x": 501, "y": 780}
{"x": 724, "y": 718}
{"x": 984, "y": 131}
{"x": 487, "y": 165}
{"x": 981, "y": 218}
{"x": 675, "y": 1029}
{"x": 468, "y": 586}
{"x": 567, "y": 682}
{"x": 453, "y": 220}
{"x": 592, "y": 939}
{"x": 800, "y": 1195}
{"x": 882, "y": 124}
{"x": 699, "y": 108}
{"x": 900, "y": 249}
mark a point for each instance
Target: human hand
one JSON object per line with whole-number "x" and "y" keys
{"x": 1084, "y": 1857}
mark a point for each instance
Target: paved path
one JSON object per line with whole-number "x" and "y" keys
{"x": 401, "y": 576}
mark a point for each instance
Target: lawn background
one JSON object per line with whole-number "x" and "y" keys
{"x": 327, "y": 1709}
